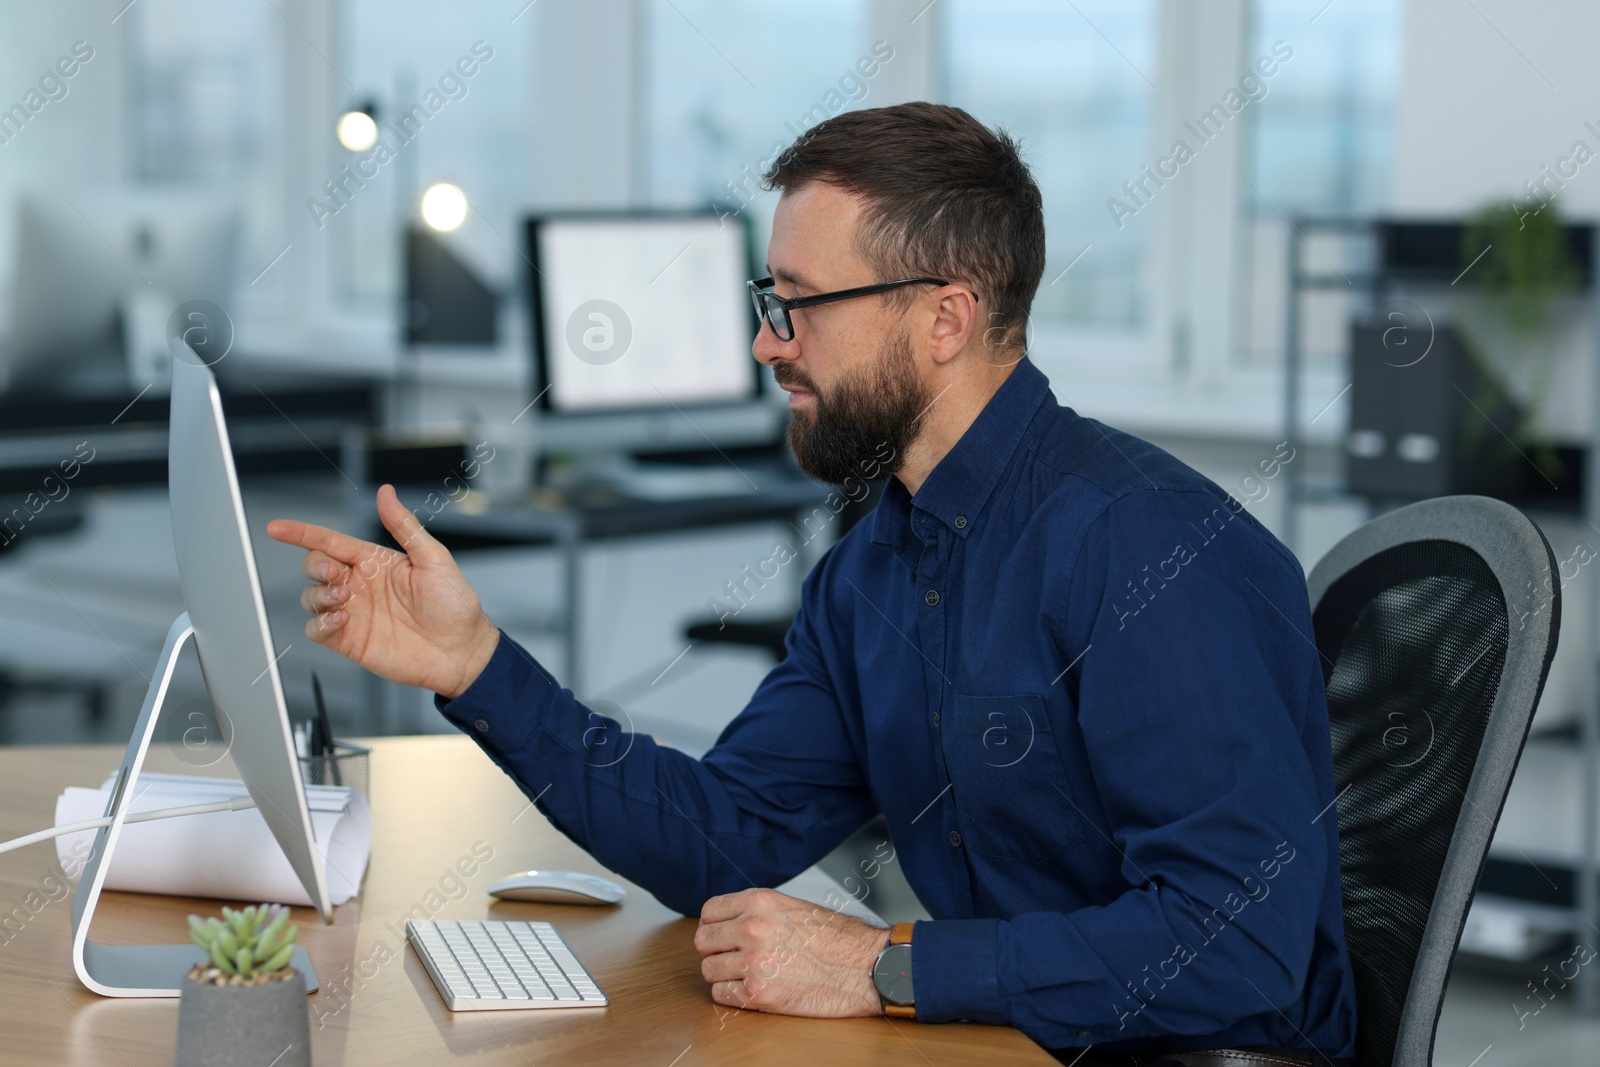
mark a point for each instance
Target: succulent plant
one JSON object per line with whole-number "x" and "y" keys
{"x": 256, "y": 941}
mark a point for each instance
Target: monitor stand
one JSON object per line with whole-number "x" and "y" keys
{"x": 138, "y": 970}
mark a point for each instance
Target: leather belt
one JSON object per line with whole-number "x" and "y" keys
{"x": 1253, "y": 1056}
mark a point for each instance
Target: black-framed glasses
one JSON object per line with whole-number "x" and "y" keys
{"x": 774, "y": 309}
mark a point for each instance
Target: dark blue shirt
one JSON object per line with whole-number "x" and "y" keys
{"x": 1078, "y": 680}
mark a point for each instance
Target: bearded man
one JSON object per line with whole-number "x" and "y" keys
{"x": 1071, "y": 673}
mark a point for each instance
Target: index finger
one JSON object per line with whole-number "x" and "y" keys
{"x": 342, "y": 547}
{"x": 722, "y": 908}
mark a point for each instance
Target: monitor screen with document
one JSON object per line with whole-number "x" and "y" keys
{"x": 641, "y": 311}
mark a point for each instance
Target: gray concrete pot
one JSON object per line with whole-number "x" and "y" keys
{"x": 244, "y": 1026}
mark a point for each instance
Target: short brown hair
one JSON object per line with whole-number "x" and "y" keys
{"x": 945, "y": 197}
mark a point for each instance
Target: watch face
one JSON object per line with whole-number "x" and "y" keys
{"x": 892, "y": 975}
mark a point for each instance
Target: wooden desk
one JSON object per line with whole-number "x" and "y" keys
{"x": 433, "y": 798}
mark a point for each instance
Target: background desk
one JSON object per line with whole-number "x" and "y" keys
{"x": 277, "y": 423}
{"x": 573, "y": 520}
{"x": 433, "y": 799}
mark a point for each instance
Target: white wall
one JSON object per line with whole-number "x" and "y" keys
{"x": 1488, "y": 96}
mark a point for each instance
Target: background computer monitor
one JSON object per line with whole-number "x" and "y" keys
{"x": 81, "y": 264}
{"x": 641, "y": 328}
{"x": 447, "y": 305}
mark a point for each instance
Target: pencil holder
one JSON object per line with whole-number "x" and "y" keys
{"x": 349, "y": 765}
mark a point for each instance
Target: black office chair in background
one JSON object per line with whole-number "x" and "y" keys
{"x": 1436, "y": 624}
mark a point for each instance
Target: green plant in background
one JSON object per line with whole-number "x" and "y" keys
{"x": 1530, "y": 265}
{"x": 246, "y": 947}
{"x": 1520, "y": 264}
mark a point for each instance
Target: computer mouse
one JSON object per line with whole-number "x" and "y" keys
{"x": 558, "y": 887}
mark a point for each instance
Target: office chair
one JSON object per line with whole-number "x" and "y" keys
{"x": 1436, "y": 624}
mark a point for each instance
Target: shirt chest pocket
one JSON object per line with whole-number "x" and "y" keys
{"x": 1007, "y": 779}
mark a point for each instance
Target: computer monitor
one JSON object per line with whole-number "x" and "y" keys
{"x": 641, "y": 328}
{"x": 83, "y": 265}
{"x": 222, "y": 592}
{"x": 227, "y": 618}
{"x": 446, "y": 304}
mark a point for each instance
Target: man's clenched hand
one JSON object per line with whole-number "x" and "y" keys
{"x": 772, "y": 952}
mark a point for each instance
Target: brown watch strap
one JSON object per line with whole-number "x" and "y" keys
{"x": 900, "y": 934}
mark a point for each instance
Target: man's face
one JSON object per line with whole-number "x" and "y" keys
{"x": 855, "y": 388}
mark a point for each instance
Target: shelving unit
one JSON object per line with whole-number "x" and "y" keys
{"x": 1374, "y": 285}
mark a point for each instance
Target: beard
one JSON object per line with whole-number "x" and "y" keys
{"x": 848, "y": 432}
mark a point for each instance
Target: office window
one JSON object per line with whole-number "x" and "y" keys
{"x": 401, "y": 54}
{"x": 1321, "y": 145}
{"x": 1322, "y": 138}
{"x": 729, "y": 82}
{"x": 202, "y": 94}
{"x": 1074, "y": 83}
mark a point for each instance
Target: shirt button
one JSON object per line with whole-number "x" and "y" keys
{"x": 961, "y": 522}
{"x": 936, "y": 718}
{"x": 932, "y": 597}
{"x": 481, "y": 726}
{"x": 955, "y": 839}
{"x": 1085, "y": 1033}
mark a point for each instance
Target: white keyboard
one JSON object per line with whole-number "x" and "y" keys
{"x": 497, "y": 965}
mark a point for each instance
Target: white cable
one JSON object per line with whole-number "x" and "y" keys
{"x": 232, "y": 804}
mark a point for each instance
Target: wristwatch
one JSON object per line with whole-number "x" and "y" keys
{"x": 892, "y": 974}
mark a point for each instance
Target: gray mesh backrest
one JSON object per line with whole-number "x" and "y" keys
{"x": 1436, "y": 624}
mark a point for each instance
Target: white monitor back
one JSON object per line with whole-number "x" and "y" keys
{"x": 222, "y": 592}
